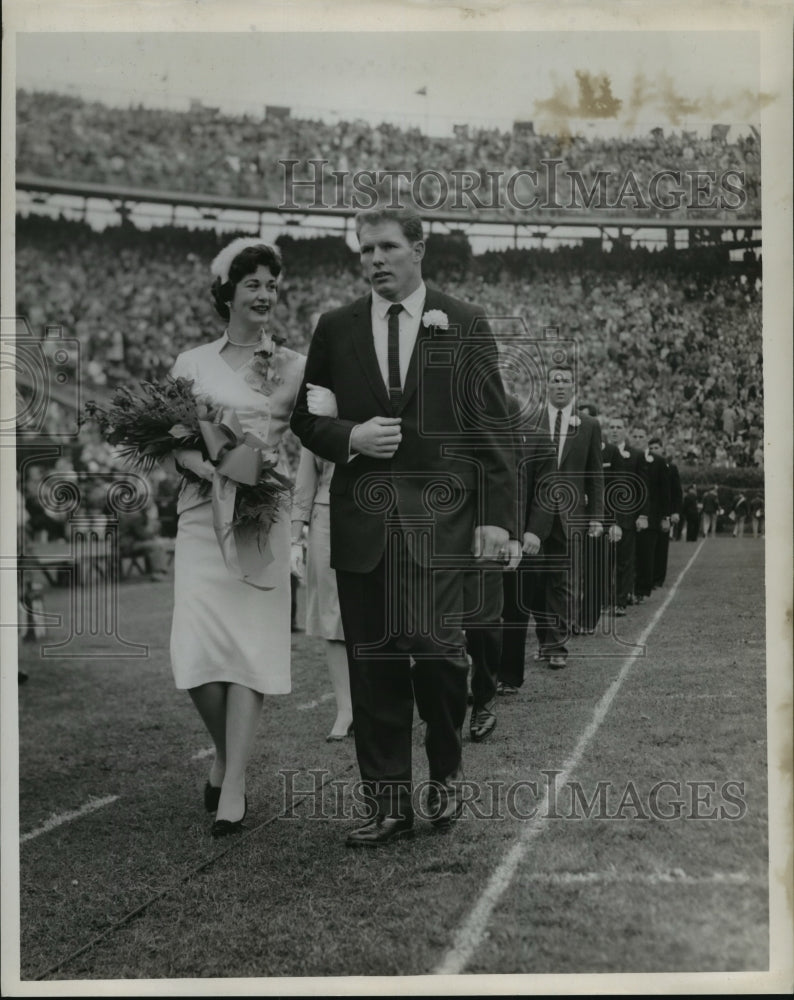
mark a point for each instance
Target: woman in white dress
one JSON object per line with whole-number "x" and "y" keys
{"x": 311, "y": 506}
{"x": 230, "y": 637}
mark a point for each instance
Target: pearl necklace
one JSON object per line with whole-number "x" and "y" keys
{"x": 236, "y": 343}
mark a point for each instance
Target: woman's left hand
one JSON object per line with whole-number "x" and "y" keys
{"x": 320, "y": 401}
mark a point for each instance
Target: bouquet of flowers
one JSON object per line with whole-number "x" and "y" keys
{"x": 163, "y": 417}
{"x": 148, "y": 426}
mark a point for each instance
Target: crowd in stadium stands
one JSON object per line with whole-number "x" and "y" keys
{"x": 678, "y": 348}
{"x": 204, "y": 151}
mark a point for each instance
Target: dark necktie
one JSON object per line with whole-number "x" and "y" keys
{"x": 556, "y": 437}
{"x": 393, "y": 355}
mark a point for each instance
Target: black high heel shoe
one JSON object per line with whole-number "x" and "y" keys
{"x": 224, "y": 827}
{"x": 212, "y": 797}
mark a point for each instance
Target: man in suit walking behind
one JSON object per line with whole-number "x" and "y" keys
{"x": 565, "y": 490}
{"x": 423, "y": 485}
{"x": 657, "y": 479}
{"x": 626, "y": 499}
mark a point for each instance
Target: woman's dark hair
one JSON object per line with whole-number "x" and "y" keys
{"x": 245, "y": 263}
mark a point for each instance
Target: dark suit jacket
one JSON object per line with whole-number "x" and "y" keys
{"x": 451, "y": 465}
{"x": 690, "y": 507}
{"x": 657, "y": 476}
{"x": 625, "y": 488}
{"x": 578, "y": 483}
{"x": 676, "y": 491}
{"x": 711, "y": 502}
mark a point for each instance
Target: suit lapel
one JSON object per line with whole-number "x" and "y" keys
{"x": 432, "y": 301}
{"x": 570, "y": 437}
{"x": 542, "y": 440}
{"x": 364, "y": 345}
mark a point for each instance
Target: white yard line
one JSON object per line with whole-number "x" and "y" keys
{"x": 472, "y": 930}
{"x": 58, "y": 819}
{"x": 674, "y": 877}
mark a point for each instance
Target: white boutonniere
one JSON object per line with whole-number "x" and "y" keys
{"x": 437, "y": 318}
{"x": 574, "y": 421}
{"x": 624, "y": 454}
{"x": 648, "y": 456}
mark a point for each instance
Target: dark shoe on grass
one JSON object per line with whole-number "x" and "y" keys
{"x": 445, "y": 801}
{"x": 382, "y": 830}
{"x": 226, "y": 827}
{"x": 482, "y": 722}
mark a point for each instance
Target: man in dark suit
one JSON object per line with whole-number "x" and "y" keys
{"x": 626, "y": 504}
{"x": 676, "y": 500}
{"x": 657, "y": 480}
{"x": 423, "y": 486}
{"x": 565, "y": 490}
{"x": 709, "y": 512}
{"x": 691, "y": 513}
{"x": 516, "y": 585}
{"x": 491, "y": 592}
{"x": 593, "y": 558}
{"x": 662, "y": 549}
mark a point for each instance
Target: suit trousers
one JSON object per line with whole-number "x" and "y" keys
{"x": 598, "y": 579}
{"x": 517, "y": 593}
{"x": 660, "y": 558}
{"x": 625, "y": 556}
{"x": 554, "y": 591}
{"x": 390, "y": 615}
{"x": 692, "y": 526}
{"x": 482, "y": 594}
{"x": 645, "y": 554}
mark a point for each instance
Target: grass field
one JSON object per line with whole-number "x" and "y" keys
{"x": 134, "y": 887}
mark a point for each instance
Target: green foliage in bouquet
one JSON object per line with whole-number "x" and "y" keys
{"x": 150, "y": 425}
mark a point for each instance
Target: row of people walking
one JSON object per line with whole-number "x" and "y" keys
{"x": 443, "y": 512}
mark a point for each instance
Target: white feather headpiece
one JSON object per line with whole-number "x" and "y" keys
{"x": 221, "y": 264}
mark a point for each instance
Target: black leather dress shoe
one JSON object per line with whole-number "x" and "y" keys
{"x": 445, "y": 801}
{"x": 504, "y": 688}
{"x": 381, "y": 830}
{"x": 212, "y": 797}
{"x": 482, "y": 722}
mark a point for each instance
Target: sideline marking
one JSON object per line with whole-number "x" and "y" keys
{"x": 675, "y": 876}
{"x": 58, "y": 819}
{"x": 471, "y": 932}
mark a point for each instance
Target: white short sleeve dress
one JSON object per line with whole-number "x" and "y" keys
{"x": 224, "y": 629}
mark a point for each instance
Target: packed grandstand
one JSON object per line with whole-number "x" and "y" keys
{"x": 205, "y": 151}
{"x": 669, "y": 338}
